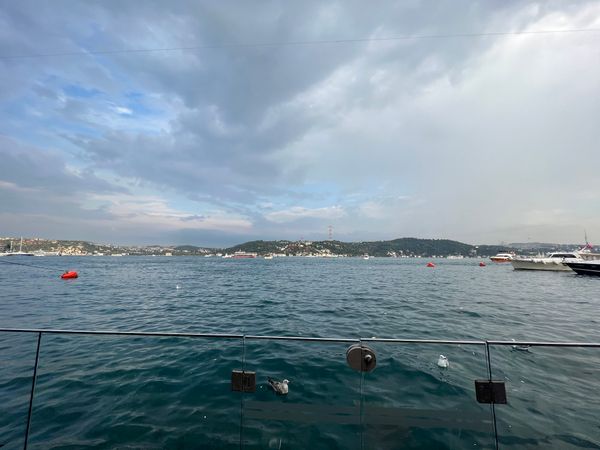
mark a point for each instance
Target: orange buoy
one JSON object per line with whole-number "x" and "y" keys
{"x": 430, "y": 264}
{"x": 69, "y": 274}
{"x": 481, "y": 264}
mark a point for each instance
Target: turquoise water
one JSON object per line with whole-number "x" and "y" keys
{"x": 133, "y": 392}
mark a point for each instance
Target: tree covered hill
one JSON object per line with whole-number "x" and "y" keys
{"x": 396, "y": 247}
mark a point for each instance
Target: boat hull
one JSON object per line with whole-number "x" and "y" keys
{"x": 499, "y": 260}
{"x": 586, "y": 268}
{"x": 553, "y": 266}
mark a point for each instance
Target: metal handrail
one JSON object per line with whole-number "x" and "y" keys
{"x": 301, "y": 338}
{"x": 424, "y": 341}
{"x": 546, "y": 343}
{"x": 123, "y": 333}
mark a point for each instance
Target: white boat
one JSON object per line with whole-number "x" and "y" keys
{"x": 366, "y": 256}
{"x": 554, "y": 261}
{"x": 586, "y": 252}
{"x": 269, "y": 256}
{"x": 502, "y": 257}
{"x": 241, "y": 255}
{"x": 590, "y": 256}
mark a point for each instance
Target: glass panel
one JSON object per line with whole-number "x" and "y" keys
{"x": 322, "y": 408}
{"x": 126, "y": 392}
{"x": 17, "y": 358}
{"x": 409, "y": 402}
{"x": 553, "y": 397}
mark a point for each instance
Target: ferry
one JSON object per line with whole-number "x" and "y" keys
{"x": 243, "y": 255}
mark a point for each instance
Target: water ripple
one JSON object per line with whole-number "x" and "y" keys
{"x": 107, "y": 392}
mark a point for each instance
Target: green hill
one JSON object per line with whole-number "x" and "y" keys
{"x": 397, "y": 247}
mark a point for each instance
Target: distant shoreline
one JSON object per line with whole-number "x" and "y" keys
{"x": 402, "y": 247}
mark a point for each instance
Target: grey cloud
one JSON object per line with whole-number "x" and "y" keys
{"x": 39, "y": 194}
{"x": 193, "y": 218}
{"x": 45, "y": 171}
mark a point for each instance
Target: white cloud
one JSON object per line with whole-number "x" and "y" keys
{"x": 123, "y": 110}
{"x": 153, "y": 212}
{"x": 298, "y": 212}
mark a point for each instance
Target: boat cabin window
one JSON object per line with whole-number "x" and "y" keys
{"x": 563, "y": 255}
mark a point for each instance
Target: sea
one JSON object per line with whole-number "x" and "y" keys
{"x": 148, "y": 392}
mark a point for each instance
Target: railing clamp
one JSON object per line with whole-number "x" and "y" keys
{"x": 490, "y": 391}
{"x": 243, "y": 381}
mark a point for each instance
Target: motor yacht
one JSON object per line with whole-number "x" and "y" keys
{"x": 502, "y": 257}
{"x": 554, "y": 262}
{"x": 585, "y": 267}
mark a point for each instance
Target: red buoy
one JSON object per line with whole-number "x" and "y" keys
{"x": 481, "y": 264}
{"x": 430, "y": 264}
{"x": 68, "y": 275}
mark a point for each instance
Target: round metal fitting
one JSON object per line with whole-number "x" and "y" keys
{"x": 361, "y": 358}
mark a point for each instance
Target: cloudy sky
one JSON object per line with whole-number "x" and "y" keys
{"x": 248, "y": 121}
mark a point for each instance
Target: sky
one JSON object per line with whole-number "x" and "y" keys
{"x": 214, "y": 123}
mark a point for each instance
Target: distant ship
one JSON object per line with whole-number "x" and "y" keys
{"x": 241, "y": 255}
{"x": 502, "y": 257}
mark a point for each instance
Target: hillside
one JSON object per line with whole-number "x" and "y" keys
{"x": 396, "y": 247}
{"x": 75, "y": 247}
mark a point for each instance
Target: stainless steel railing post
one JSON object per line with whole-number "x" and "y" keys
{"x": 492, "y": 405}
{"x": 35, "y": 367}
{"x": 242, "y": 394}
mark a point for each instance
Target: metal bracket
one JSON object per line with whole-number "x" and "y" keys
{"x": 243, "y": 381}
{"x": 490, "y": 392}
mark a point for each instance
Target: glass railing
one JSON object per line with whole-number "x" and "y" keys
{"x": 323, "y": 407}
{"x": 553, "y": 395}
{"x": 17, "y": 356}
{"x": 187, "y": 390}
{"x": 410, "y": 402}
{"x": 135, "y": 392}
